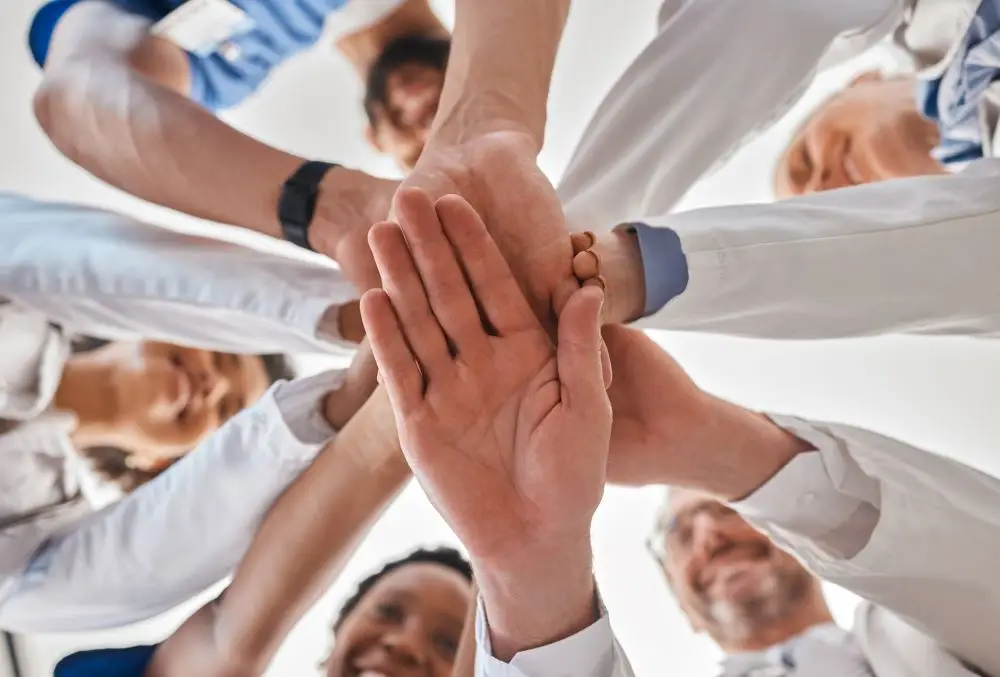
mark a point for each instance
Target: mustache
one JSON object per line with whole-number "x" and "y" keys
{"x": 754, "y": 550}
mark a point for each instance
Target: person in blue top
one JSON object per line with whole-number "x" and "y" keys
{"x": 131, "y": 89}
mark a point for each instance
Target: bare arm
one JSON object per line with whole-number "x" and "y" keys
{"x": 114, "y": 100}
{"x": 465, "y": 658}
{"x": 303, "y": 542}
{"x": 500, "y": 68}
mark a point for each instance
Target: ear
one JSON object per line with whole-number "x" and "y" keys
{"x": 372, "y": 138}
{"x": 866, "y": 77}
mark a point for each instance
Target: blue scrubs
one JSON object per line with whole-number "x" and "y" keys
{"x": 131, "y": 662}
{"x": 281, "y": 28}
{"x": 953, "y": 100}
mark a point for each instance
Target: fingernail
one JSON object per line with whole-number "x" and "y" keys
{"x": 591, "y": 238}
{"x": 593, "y": 255}
{"x": 597, "y": 281}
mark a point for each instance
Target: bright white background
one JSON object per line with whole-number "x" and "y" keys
{"x": 940, "y": 393}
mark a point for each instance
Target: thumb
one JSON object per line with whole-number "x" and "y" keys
{"x": 579, "y": 351}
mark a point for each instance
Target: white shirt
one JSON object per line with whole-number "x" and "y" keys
{"x": 820, "y": 266}
{"x": 108, "y": 276}
{"x": 915, "y": 534}
{"x": 821, "y": 651}
{"x": 592, "y": 652}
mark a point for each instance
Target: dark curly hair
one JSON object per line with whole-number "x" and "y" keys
{"x": 111, "y": 463}
{"x": 405, "y": 49}
{"x": 446, "y": 557}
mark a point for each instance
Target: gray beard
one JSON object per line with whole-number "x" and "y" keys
{"x": 778, "y": 594}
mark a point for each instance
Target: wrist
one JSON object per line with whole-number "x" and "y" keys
{"x": 737, "y": 450}
{"x": 481, "y": 112}
{"x": 347, "y": 197}
{"x": 538, "y": 595}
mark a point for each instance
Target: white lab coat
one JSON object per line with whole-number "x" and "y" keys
{"x": 915, "y": 534}
{"x": 901, "y": 256}
{"x": 72, "y": 269}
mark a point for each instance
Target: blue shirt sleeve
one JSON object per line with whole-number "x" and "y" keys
{"x": 130, "y": 662}
{"x": 664, "y": 264}
{"x": 43, "y": 25}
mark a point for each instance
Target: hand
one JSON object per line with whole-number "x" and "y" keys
{"x": 349, "y": 203}
{"x": 498, "y": 175}
{"x": 658, "y": 410}
{"x": 667, "y": 430}
{"x": 507, "y": 436}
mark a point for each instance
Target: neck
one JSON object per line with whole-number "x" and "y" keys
{"x": 414, "y": 17}
{"x": 813, "y": 613}
{"x": 86, "y": 390}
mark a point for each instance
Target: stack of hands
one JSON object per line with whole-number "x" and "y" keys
{"x": 492, "y": 354}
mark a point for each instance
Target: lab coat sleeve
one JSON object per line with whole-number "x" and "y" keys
{"x": 592, "y": 652}
{"x": 182, "y": 532}
{"x": 106, "y": 275}
{"x": 717, "y": 72}
{"x": 906, "y": 256}
{"x": 910, "y": 531}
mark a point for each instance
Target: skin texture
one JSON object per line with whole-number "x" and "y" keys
{"x": 731, "y": 581}
{"x": 114, "y": 100}
{"x": 487, "y": 411}
{"x": 156, "y": 400}
{"x": 409, "y": 624}
{"x": 871, "y": 131}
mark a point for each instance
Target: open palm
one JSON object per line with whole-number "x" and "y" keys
{"x": 507, "y": 435}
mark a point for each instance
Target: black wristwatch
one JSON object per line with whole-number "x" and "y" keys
{"x": 297, "y": 204}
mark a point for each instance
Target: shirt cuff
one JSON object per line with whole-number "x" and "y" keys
{"x": 664, "y": 264}
{"x": 803, "y": 497}
{"x": 300, "y": 404}
{"x": 589, "y": 652}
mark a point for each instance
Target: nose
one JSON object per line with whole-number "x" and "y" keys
{"x": 828, "y": 166}
{"x": 211, "y": 385}
{"x": 708, "y": 538}
{"x": 406, "y": 644}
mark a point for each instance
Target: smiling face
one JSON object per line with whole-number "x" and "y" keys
{"x": 407, "y": 625}
{"x": 731, "y": 580}
{"x": 403, "y": 92}
{"x": 169, "y": 398}
{"x": 871, "y": 131}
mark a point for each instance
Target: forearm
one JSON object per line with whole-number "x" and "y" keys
{"x": 825, "y": 266}
{"x": 117, "y": 278}
{"x": 878, "y": 517}
{"x": 539, "y": 598}
{"x": 465, "y": 657}
{"x": 161, "y": 147}
{"x": 98, "y": 573}
{"x": 309, "y": 534}
{"x": 500, "y": 68}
